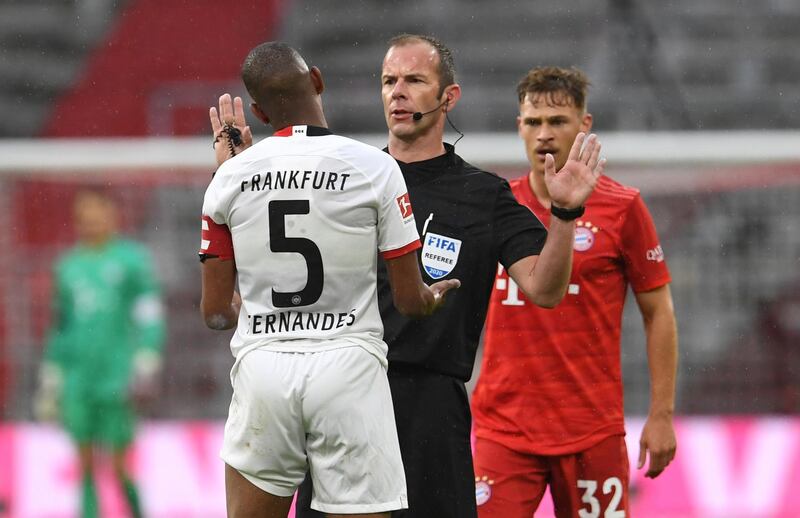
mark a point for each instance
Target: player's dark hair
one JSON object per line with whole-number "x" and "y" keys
{"x": 560, "y": 86}
{"x": 270, "y": 73}
{"x": 447, "y": 67}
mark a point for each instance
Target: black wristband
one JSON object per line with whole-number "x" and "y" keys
{"x": 567, "y": 214}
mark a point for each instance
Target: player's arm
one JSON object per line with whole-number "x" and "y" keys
{"x": 219, "y": 303}
{"x": 148, "y": 307}
{"x": 149, "y": 321}
{"x": 46, "y": 400}
{"x": 658, "y": 435}
{"x": 411, "y": 296}
{"x": 544, "y": 278}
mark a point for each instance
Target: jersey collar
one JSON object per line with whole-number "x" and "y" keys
{"x": 308, "y": 131}
{"x": 445, "y": 160}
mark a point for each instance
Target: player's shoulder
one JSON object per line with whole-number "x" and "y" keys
{"x": 68, "y": 257}
{"x": 357, "y": 152}
{"x": 129, "y": 249}
{"x": 259, "y": 150}
{"x": 518, "y": 183}
{"x": 609, "y": 189}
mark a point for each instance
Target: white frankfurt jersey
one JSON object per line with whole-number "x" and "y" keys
{"x": 304, "y": 213}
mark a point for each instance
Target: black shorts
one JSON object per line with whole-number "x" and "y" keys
{"x": 433, "y": 424}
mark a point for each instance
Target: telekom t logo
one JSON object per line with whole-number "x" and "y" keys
{"x": 405, "y": 205}
{"x": 507, "y": 284}
{"x": 503, "y": 282}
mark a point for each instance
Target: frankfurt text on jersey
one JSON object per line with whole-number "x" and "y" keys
{"x": 291, "y": 179}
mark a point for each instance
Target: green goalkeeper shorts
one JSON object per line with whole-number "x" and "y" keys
{"x": 88, "y": 420}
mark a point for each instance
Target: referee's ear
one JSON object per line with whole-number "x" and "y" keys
{"x": 452, "y": 94}
{"x": 316, "y": 80}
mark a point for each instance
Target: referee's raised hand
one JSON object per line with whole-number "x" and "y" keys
{"x": 571, "y": 186}
{"x": 232, "y": 135}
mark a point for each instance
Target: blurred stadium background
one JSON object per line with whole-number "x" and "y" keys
{"x": 698, "y": 105}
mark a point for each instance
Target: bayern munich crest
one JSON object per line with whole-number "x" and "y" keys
{"x": 584, "y": 236}
{"x": 483, "y": 489}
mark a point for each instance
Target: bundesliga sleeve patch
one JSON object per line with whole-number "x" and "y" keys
{"x": 215, "y": 240}
{"x": 404, "y": 204}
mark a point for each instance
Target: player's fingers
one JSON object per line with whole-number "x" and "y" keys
{"x": 238, "y": 112}
{"x": 575, "y": 151}
{"x": 594, "y": 157}
{"x": 588, "y": 148}
{"x": 642, "y": 455}
{"x": 216, "y": 125}
{"x": 226, "y": 109}
{"x": 600, "y": 169}
{"x": 657, "y": 464}
{"x": 550, "y": 164}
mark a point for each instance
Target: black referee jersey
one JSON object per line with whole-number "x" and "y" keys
{"x": 468, "y": 221}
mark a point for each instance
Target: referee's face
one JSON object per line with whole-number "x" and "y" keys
{"x": 410, "y": 83}
{"x": 547, "y": 126}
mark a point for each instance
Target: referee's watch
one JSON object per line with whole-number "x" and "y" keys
{"x": 567, "y": 214}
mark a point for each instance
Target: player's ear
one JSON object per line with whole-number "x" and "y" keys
{"x": 260, "y": 115}
{"x": 316, "y": 80}
{"x": 586, "y": 122}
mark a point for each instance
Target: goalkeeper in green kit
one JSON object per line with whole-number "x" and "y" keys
{"x": 103, "y": 353}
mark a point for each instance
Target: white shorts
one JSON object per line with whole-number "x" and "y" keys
{"x": 329, "y": 412}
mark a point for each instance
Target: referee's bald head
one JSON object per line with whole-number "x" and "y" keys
{"x": 277, "y": 77}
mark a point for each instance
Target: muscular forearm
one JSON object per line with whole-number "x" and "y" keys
{"x": 662, "y": 358}
{"x": 419, "y": 304}
{"x": 221, "y": 318}
{"x": 546, "y": 283}
{"x": 219, "y": 302}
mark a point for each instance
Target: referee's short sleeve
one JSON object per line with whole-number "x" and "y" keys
{"x": 518, "y": 232}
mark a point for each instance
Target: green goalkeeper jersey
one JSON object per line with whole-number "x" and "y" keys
{"x": 107, "y": 306}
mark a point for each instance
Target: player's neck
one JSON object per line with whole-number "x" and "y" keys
{"x": 311, "y": 117}
{"x": 539, "y": 188}
{"x": 97, "y": 243}
{"x": 421, "y": 147}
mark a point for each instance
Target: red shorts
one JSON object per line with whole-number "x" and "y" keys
{"x": 590, "y": 484}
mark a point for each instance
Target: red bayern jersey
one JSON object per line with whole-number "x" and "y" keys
{"x": 550, "y": 382}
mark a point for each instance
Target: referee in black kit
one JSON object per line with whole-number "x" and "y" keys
{"x": 469, "y": 221}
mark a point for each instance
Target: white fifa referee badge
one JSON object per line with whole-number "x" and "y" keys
{"x": 439, "y": 254}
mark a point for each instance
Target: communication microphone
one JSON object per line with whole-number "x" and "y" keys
{"x": 418, "y": 115}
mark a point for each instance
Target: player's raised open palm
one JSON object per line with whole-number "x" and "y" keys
{"x": 232, "y": 135}
{"x": 571, "y": 186}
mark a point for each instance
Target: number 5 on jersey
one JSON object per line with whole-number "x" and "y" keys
{"x": 279, "y": 243}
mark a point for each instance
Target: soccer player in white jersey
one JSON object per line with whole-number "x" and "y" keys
{"x": 300, "y": 217}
